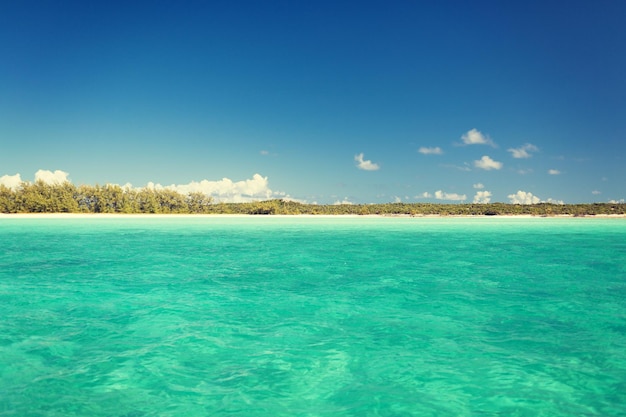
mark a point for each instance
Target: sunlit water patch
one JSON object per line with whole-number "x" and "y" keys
{"x": 286, "y": 316}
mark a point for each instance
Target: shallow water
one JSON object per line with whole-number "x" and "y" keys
{"x": 278, "y": 316}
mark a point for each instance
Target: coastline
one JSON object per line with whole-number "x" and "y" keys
{"x": 173, "y": 215}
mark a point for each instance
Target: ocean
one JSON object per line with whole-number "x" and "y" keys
{"x": 312, "y": 316}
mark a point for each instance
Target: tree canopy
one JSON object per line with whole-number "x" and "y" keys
{"x": 40, "y": 197}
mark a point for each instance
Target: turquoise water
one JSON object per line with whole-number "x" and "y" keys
{"x": 299, "y": 316}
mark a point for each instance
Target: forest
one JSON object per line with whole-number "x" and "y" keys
{"x": 40, "y": 197}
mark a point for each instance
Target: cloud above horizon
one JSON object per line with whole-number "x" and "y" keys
{"x": 554, "y": 172}
{"x": 475, "y": 137}
{"x": 525, "y": 151}
{"x": 482, "y": 197}
{"x": 11, "y": 181}
{"x": 523, "y": 197}
{"x": 224, "y": 190}
{"x": 553, "y": 201}
{"x": 52, "y": 177}
{"x": 364, "y": 164}
{"x": 430, "y": 151}
{"x": 345, "y": 201}
{"x": 440, "y": 195}
{"x": 43, "y": 175}
{"x": 487, "y": 163}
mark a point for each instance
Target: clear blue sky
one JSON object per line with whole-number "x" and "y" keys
{"x": 359, "y": 101}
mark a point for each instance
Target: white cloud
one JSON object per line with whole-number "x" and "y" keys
{"x": 365, "y": 164}
{"x": 264, "y": 152}
{"x": 482, "y": 197}
{"x": 440, "y": 195}
{"x": 554, "y": 172}
{"x": 425, "y": 194}
{"x": 474, "y": 137}
{"x": 523, "y": 197}
{"x": 487, "y": 163}
{"x": 44, "y": 175}
{"x": 620, "y": 201}
{"x": 552, "y": 201}
{"x": 596, "y": 192}
{"x": 478, "y": 186}
{"x": 345, "y": 201}
{"x": 11, "y": 181}
{"x": 525, "y": 171}
{"x": 49, "y": 177}
{"x": 227, "y": 190}
{"x": 224, "y": 190}
{"x": 524, "y": 151}
{"x": 430, "y": 151}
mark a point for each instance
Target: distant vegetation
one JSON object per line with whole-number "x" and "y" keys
{"x": 40, "y": 197}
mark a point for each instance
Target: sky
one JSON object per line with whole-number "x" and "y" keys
{"x": 319, "y": 101}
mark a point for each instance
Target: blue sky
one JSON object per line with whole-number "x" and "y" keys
{"x": 325, "y": 101}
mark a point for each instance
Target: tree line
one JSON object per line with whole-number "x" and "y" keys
{"x": 40, "y": 197}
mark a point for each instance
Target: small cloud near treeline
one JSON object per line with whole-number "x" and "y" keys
{"x": 224, "y": 190}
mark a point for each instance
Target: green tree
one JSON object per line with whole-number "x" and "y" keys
{"x": 198, "y": 203}
{"x": 8, "y": 202}
{"x": 171, "y": 202}
{"x": 147, "y": 201}
{"x": 40, "y": 197}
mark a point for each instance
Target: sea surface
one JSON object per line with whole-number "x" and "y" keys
{"x": 312, "y": 316}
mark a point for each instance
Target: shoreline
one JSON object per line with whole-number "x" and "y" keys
{"x": 175, "y": 215}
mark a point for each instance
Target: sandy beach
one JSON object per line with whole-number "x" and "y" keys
{"x": 156, "y": 216}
